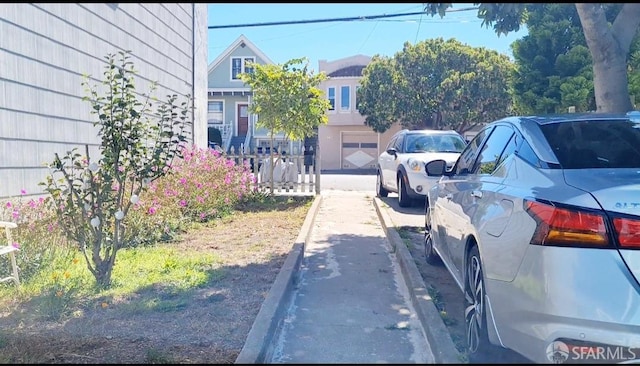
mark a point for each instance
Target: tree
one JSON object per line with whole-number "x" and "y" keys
{"x": 287, "y": 99}
{"x": 608, "y": 42}
{"x": 553, "y": 65}
{"x": 138, "y": 144}
{"x": 377, "y": 94}
{"x": 437, "y": 84}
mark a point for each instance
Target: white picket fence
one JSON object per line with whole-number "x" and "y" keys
{"x": 296, "y": 174}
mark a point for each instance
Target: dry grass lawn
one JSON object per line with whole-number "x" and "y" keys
{"x": 206, "y": 325}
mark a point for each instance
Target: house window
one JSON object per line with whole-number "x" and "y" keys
{"x": 236, "y": 68}
{"x": 215, "y": 112}
{"x": 247, "y": 68}
{"x": 240, "y": 65}
{"x": 331, "y": 92}
{"x": 345, "y": 94}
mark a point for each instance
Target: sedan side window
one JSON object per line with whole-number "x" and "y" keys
{"x": 492, "y": 150}
{"x": 468, "y": 155}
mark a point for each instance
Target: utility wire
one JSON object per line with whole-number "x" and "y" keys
{"x": 366, "y": 17}
{"x": 418, "y": 31}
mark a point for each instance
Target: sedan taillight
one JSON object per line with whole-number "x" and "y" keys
{"x": 628, "y": 231}
{"x": 567, "y": 227}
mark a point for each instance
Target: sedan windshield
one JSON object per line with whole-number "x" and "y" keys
{"x": 595, "y": 144}
{"x": 418, "y": 143}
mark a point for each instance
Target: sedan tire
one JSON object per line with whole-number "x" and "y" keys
{"x": 475, "y": 307}
{"x": 430, "y": 255}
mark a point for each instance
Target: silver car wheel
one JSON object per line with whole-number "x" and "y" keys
{"x": 474, "y": 310}
{"x": 430, "y": 254}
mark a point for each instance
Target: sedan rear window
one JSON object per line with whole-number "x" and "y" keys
{"x": 595, "y": 144}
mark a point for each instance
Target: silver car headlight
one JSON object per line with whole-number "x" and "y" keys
{"x": 415, "y": 165}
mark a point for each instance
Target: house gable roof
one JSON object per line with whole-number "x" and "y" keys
{"x": 345, "y": 67}
{"x": 225, "y": 54}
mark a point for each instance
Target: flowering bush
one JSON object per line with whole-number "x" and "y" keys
{"x": 201, "y": 186}
{"x": 38, "y": 235}
{"x": 93, "y": 196}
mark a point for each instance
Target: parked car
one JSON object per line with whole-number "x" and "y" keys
{"x": 538, "y": 222}
{"x": 401, "y": 165}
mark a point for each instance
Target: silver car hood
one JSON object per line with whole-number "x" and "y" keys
{"x": 616, "y": 190}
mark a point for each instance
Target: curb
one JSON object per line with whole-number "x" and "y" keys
{"x": 258, "y": 345}
{"x": 444, "y": 351}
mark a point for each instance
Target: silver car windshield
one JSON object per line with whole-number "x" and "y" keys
{"x": 417, "y": 143}
{"x": 595, "y": 144}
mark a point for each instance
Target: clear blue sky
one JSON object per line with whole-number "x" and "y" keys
{"x": 335, "y": 40}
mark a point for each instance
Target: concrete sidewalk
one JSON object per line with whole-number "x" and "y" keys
{"x": 348, "y": 294}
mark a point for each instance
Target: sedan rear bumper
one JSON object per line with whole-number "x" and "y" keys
{"x": 571, "y": 295}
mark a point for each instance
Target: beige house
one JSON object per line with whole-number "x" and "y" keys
{"x": 345, "y": 142}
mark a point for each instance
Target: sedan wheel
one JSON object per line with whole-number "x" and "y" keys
{"x": 380, "y": 190}
{"x": 430, "y": 255}
{"x": 475, "y": 310}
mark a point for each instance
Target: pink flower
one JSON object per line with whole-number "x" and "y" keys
{"x": 16, "y": 245}
{"x": 23, "y": 191}
{"x": 8, "y": 204}
{"x": 183, "y": 203}
{"x": 152, "y": 210}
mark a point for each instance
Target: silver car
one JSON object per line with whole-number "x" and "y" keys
{"x": 538, "y": 222}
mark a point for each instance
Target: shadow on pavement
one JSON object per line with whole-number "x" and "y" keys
{"x": 416, "y": 209}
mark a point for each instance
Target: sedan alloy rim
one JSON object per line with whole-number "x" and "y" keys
{"x": 474, "y": 311}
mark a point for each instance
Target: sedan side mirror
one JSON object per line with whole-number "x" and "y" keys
{"x": 436, "y": 168}
{"x": 392, "y": 151}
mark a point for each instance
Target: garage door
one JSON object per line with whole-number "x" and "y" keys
{"x": 359, "y": 150}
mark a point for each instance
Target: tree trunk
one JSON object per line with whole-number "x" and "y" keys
{"x": 609, "y": 47}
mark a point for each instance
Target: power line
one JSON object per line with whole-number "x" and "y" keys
{"x": 366, "y": 17}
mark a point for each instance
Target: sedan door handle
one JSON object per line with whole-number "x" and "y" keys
{"x": 476, "y": 194}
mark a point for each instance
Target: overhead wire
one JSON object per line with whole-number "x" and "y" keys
{"x": 418, "y": 31}
{"x": 345, "y": 19}
{"x": 369, "y": 35}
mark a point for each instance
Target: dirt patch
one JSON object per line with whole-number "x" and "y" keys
{"x": 207, "y": 325}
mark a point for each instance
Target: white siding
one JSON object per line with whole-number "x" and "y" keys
{"x": 46, "y": 48}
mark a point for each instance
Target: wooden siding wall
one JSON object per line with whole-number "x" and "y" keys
{"x": 46, "y": 48}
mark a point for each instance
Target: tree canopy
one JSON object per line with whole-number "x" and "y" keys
{"x": 608, "y": 38}
{"x": 287, "y": 98}
{"x": 436, "y": 84}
